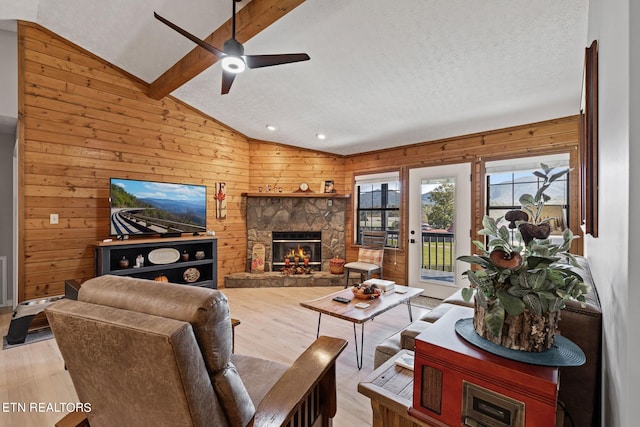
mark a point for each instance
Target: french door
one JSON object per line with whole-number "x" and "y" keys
{"x": 439, "y": 227}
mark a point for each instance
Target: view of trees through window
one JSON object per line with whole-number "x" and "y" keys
{"x": 438, "y": 208}
{"x": 437, "y": 234}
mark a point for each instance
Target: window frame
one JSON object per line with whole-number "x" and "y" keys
{"x": 519, "y": 165}
{"x": 384, "y": 180}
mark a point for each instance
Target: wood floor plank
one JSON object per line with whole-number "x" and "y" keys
{"x": 274, "y": 326}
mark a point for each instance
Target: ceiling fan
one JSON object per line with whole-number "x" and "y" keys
{"x": 234, "y": 61}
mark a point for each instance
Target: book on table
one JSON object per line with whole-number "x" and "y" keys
{"x": 383, "y": 285}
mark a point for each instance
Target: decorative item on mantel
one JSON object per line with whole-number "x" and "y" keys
{"x": 524, "y": 279}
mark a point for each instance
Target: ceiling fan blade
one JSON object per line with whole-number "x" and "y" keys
{"x": 227, "y": 81}
{"x": 218, "y": 53}
{"x": 259, "y": 61}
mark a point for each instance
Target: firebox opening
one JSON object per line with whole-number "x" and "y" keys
{"x": 291, "y": 247}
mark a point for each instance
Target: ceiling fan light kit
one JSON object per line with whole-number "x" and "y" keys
{"x": 232, "y": 56}
{"x": 233, "y": 64}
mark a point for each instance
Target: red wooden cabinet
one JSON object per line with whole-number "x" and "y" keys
{"x": 457, "y": 383}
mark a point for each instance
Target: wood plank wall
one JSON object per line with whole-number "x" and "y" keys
{"x": 554, "y": 136}
{"x": 83, "y": 121}
{"x": 285, "y": 166}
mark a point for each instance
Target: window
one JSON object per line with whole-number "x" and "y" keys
{"x": 378, "y": 205}
{"x": 507, "y": 180}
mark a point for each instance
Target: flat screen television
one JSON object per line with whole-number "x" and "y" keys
{"x": 149, "y": 207}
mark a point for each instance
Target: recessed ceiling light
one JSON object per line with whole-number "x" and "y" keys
{"x": 321, "y": 136}
{"x": 271, "y": 127}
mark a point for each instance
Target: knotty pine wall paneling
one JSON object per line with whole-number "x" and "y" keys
{"x": 285, "y": 166}
{"x": 82, "y": 121}
{"x": 549, "y": 137}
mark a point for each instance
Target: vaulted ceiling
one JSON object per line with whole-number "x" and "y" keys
{"x": 382, "y": 73}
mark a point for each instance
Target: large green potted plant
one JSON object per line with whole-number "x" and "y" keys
{"x": 523, "y": 279}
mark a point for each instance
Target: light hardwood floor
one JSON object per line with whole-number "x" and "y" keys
{"x": 274, "y": 326}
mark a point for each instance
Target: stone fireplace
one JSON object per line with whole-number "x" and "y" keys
{"x": 323, "y": 214}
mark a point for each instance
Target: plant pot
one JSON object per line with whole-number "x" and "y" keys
{"x": 526, "y": 332}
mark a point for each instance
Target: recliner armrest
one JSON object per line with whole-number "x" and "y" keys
{"x": 314, "y": 368}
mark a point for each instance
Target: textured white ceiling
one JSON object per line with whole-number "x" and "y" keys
{"x": 381, "y": 73}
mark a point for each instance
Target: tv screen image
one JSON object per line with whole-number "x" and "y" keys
{"x": 149, "y": 207}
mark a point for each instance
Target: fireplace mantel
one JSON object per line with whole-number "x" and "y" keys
{"x": 300, "y": 194}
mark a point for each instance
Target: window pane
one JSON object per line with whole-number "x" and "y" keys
{"x": 501, "y": 194}
{"x": 378, "y": 209}
{"x": 504, "y": 189}
{"x": 558, "y": 193}
{"x": 366, "y": 196}
{"x": 393, "y": 195}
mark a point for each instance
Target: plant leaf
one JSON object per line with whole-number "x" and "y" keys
{"x": 500, "y": 243}
{"x": 480, "y": 245}
{"x": 518, "y": 291}
{"x": 488, "y": 222}
{"x": 512, "y": 304}
{"x": 481, "y": 299}
{"x": 494, "y": 319}
{"x": 541, "y": 191}
{"x": 475, "y": 259}
{"x": 533, "y": 303}
{"x": 558, "y": 174}
{"x": 504, "y": 233}
{"x": 538, "y": 278}
{"x": 526, "y": 200}
{"x": 467, "y": 294}
{"x": 540, "y": 261}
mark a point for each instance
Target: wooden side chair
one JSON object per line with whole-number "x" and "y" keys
{"x": 370, "y": 256}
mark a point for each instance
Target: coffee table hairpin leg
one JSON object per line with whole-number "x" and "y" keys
{"x": 355, "y": 338}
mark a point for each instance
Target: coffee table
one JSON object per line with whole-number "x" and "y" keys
{"x": 349, "y": 312}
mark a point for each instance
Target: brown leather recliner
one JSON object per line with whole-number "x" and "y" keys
{"x": 142, "y": 353}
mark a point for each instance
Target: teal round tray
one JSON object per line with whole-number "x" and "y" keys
{"x": 564, "y": 352}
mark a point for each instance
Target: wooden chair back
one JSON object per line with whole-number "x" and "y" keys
{"x": 374, "y": 239}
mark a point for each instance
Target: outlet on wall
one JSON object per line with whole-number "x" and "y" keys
{"x": 53, "y": 218}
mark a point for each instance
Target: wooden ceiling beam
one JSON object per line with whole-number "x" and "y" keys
{"x": 250, "y": 20}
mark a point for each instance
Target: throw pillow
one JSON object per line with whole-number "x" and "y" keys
{"x": 371, "y": 256}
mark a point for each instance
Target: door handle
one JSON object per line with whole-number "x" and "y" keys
{"x": 412, "y": 240}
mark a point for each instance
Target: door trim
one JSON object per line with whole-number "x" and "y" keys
{"x": 463, "y": 202}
